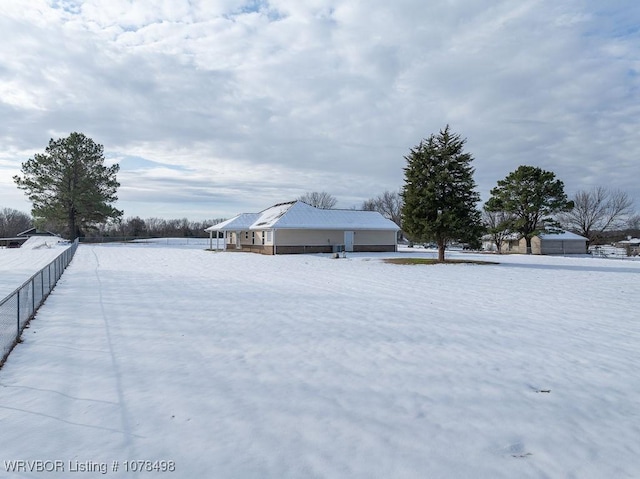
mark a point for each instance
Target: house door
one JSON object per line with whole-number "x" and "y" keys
{"x": 348, "y": 240}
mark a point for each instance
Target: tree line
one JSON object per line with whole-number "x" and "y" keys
{"x": 13, "y": 222}
{"x": 136, "y": 227}
{"x": 73, "y": 192}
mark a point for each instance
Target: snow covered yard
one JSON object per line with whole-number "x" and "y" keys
{"x": 237, "y": 365}
{"x": 19, "y": 264}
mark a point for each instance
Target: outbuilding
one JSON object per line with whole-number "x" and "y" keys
{"x": 22, "y": 237}
{"x": 560, "y": 243}
{"x": 296, "y": 227}
{"x": 630, "y": 245}
{"x": 510, "y": 243}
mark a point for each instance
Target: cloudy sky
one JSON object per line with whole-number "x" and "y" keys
{"x": 216, "y": 107}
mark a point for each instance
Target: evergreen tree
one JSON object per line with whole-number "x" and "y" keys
{"x": 69, "y": 184}
{"x": 439, "y": 192}
{"x": 532, "y": 195}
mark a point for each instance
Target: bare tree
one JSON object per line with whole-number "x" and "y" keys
{"x": 497, "y": 224}
{"x": 388, "y": 204}
{"x": 633, "y": 223}
{"x": 369, "y": 205}
{"x": 633, "y": 226}
{"x": 322, "y": 200}
{"x": 13, "y": 222}
{"x": 156, "y": 226}
{"x": 596, "y": 211}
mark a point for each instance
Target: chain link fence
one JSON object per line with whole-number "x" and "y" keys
{"x": 172, "y": 241}
{"x": 20, "y": 306}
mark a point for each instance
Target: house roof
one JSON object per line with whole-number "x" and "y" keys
{"x": 630, "y": 241}
{"x": 507, "y": 237}
{"x": 240, "y": 222}
{"x": 36, "y": 232}
{"x": 299, "y": 215}
{"x": 563, "y": 235}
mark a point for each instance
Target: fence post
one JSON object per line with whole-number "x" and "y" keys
{"x": 18, "y": 317}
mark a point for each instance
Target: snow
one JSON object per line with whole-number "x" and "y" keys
{"x": 17, "y": 265}
{"x": 564, "y": 235}
{"x": 271, "y": 216}
{"x": 38, "y": 242}
{"x": 238, "y": 365}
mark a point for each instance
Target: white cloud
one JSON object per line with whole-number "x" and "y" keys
{"x": 282, "y": 97}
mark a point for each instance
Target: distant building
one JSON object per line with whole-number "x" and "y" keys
{"x": 561, "y": 243}
{"x": 510, "y": 243}
{"x": 18, "y": 240}
{"x": 35, "y": 232}
{"x": 630, "y": 245}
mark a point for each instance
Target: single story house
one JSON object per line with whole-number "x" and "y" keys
{"x": 296, "y": 227}
{"x": 560, "y": 243}
{"x": 510, "y": 243}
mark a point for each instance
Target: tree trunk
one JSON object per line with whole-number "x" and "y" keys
{"x": 73, "y": 233}
{"x": 528, "y": 242}
{"x": 441, "y": 246}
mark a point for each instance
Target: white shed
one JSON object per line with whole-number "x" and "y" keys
{"x": 560, "y": 243}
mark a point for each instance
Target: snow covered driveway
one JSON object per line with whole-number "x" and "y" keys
{"x": 238, "y": 365}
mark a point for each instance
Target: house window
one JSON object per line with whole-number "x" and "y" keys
{"x": 246, "y": 235}
{"x": 269, "y": 236}
{"x": 253, "y": 237}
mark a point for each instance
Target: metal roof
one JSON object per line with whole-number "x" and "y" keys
{"x": 240, "y": 222}
{"x": 299, "y": 215}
